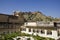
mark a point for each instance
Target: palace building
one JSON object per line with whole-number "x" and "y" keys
{"x": 15, "y": 23}
{"x": 10, "y": 23}
{"x": 43, "y": 29}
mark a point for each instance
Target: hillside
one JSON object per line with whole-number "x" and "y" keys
{"x": 36, "y": 16}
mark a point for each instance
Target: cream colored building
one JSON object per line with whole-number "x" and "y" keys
{"x": 49, "y": 29}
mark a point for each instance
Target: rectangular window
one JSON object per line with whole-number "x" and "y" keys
{"x": 49, "y": 32}
{"x": 7, "y": 31}
{"x": 35, "y": 30}
{"x": 23, "y": 29}
{"x": 58, "y": 33}
{"x": 3, "y": 32}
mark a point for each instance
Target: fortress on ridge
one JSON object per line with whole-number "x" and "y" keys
{"x": 30, "y": 24}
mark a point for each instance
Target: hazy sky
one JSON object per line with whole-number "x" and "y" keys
{"x": 47, "y": 7}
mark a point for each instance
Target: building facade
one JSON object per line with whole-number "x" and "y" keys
{"x": 42, "y": 29}
{"x": 10, "y": 23}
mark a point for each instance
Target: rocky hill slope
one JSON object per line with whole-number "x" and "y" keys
{"x": 36, "y": 16}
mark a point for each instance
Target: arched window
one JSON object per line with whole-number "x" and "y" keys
{"x": 37, "y": 31}
{"x": 18, "y": 38}
{"x": 28, "y": 38}
{"x": 49, "y": 32}
{"x": 34, "y": 30}
{"x": 42, "y": 31}
{"x": 29, "y": 29}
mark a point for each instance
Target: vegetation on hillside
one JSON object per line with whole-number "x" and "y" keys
{"x": 36, "y": 16}
{"x": 13, "y": 35}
